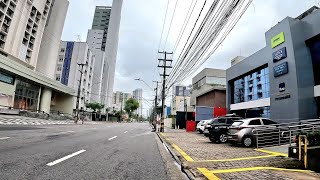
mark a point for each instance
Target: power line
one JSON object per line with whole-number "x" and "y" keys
{"x": 164, "y": 22}
{"x": 174, "y": 11}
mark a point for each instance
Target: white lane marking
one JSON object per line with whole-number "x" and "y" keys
{"x": 125, "y": 131}
{"x": 70, "y": 131}
{"x": 165, "y": 147}
{"x": 3, "y": 138}
{"x": 65, "y": 158}
{"x": 112, "y": 138}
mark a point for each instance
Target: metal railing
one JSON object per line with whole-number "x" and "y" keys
{"x": 284, "y": 133}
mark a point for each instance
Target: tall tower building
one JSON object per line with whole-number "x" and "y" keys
{"x": 137, "y": 95}
{"x": 104, "y": 36}
{"x": 30, "y": 33}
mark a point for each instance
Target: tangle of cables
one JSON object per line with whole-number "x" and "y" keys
{"x": 217, "y": 23}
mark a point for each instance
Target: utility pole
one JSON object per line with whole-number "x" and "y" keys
{"x": 155, "y": 104}
{"x": 164, "y": 75}
{"x": 79, "y": 90}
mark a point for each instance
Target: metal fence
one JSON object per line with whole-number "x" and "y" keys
{"x": 284, "y": 133}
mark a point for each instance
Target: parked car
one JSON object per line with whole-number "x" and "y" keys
{"x": 241, "y": 130}
{"x": 217, "y": 130}
{"x": 201, "y": 125}
{"x": 207, "y": 126}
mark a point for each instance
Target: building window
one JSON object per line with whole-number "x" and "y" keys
{"x": 58, "y": 77}
{"x": 62, "y": 50}
{"x": 60, "y": 58}
{"x": 251, "y": 87}
{"x": 59, "y": 68}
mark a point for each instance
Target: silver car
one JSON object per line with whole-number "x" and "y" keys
{"x": 241, "y": 130}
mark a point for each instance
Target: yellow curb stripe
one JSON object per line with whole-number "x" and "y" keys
{"x": 239, "y": 159}
{"x": 255, "y": 169}
{"x": 208, "y": 174}
{"x": 185, "y": 155}
{"x": 271, "y": 152}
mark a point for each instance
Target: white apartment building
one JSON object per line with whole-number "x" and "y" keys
{"x": 137, "y": 95}
{"x": 69, "y": 68}
{"x": 104, "y": 36}
{"x": 30, "y": 33}
{"x": 119, "y": 99}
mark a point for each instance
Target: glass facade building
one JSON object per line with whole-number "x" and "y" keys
{"x": 251, "y": 87}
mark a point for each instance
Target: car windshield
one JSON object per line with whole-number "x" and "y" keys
{"x": 237, "y": 123}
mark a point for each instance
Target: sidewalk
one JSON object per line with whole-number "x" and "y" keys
{"x": 207, "y": 160}
{"x": 21, "y": 120}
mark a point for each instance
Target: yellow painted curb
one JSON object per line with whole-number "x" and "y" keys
{"x": 185, "y": 155}
{"x": 208, "y": 174}
{"x": 255, "y": 169}
{"x": 239, "y": 159}
{"x": 271, "y": 152}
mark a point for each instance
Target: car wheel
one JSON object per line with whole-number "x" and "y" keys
{"x": 247, "y": 141}
{"x": 223, "y": 138}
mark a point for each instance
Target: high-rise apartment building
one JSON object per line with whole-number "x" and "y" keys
{"x": 119, "y": 99}
{"x": 137, "y": 95}
{"x": 68, "y": 70}
{"x": 30, "y": 33}
{"x": 104, "y": 36}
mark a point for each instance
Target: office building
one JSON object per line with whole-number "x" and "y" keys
{"x": 180, "y": 99}
{"x": 209, "y": 88}
{"x": 27, "y": 60}
{"x": 280, "y": 81}
{"x": 119, "y": 100}
{"x": 137, "y": 95}
{"x": 103, "y": 37}
{"x": 68, "y": 71}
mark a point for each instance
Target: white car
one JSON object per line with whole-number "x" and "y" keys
{"x": 201, "y": 125}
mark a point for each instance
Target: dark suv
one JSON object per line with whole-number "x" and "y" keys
{"x": 218, "y": 129}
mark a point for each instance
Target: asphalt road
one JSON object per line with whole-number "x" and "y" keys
{"x": 106, "y": 151}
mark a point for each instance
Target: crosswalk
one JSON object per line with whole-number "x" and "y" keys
{"x": 34, "y": 121}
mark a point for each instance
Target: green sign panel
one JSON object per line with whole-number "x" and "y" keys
{"x": 277, "y": 40}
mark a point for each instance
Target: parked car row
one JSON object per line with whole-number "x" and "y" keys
{"x": 232, "y": 129}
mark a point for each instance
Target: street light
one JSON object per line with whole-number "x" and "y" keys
{"x": 138, "y": 79}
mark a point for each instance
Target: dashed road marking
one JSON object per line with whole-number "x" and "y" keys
{"x": 65, "y": 158}
{"x": 3, "y": 138}
{"x": 125, "y": 131}
{"x": 112, "y": 138}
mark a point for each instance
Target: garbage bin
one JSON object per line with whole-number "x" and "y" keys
{"x": 191, "y": 126}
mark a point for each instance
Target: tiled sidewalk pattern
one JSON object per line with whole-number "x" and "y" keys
{"x": 207, "y": 155}
{"x": 19, "y": 120}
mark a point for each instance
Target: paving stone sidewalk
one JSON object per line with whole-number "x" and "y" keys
{"x": 208, "y": 155}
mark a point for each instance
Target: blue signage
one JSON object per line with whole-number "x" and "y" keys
{"x": 280, "y": 69}
{"x": 279, "y": 55}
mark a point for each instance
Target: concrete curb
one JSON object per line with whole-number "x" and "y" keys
{"x": 188, "y": 173}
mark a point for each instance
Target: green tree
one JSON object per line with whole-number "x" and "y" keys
{"x": 130, "y": 106}
{"x": 95, "y": 106}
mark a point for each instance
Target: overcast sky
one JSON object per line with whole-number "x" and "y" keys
{"x": 141, "y": 26}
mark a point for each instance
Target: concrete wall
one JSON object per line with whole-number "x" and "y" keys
{"x": 215, "y": 98}
{"x": 50, "y": 43}
{"x": 63, "y": 103}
